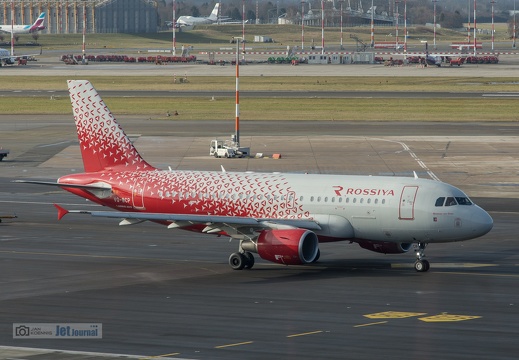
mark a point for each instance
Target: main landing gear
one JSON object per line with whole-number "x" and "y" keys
{"x": 421, "y": 265}
{"x": 241, "y": 260}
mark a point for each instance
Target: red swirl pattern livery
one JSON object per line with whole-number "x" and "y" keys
{"x": 104, "y": 144}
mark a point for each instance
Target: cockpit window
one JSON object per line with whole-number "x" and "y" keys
{"x": 463, "y": 201}
{"x": 440, "y": 201}
{"x": 450, "y": 201}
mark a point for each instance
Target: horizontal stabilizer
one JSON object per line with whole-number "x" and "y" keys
{"x": 61, "y": 211}
{"x": 70, "y": 186}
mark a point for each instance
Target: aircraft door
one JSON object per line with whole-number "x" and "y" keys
{"x": 138, "y": 193}
{"x": 291, "y": 199}
{"x": 407, "y": 200}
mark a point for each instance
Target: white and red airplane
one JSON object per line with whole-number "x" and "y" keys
{"x": 25, "y": 29}
{"x": 281, "y": 217}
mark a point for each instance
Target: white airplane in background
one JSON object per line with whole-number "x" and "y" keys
{"x": 281, "y": 217}
{"x": 7, "y": 59}
{"x": 195, "y": 20}
{"x": 25, "y": 29}
{"x": 213, "y": 18}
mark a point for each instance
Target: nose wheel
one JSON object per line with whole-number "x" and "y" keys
{"x": 421, "y": 265}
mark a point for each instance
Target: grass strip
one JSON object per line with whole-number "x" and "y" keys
{"x": 272, "y": 83}
{"x": 312, "y": 109}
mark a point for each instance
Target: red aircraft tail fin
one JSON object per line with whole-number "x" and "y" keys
{"x": 104, "y": 145}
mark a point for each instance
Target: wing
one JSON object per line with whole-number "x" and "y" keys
{"x": 236, "y": 227}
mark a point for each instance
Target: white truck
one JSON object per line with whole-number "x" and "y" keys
{"x": 218, "y": 149}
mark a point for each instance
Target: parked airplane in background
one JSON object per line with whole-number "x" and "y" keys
{"x": 25, "y": 29}
{"x": 214, "y": 18}
{"x": 195, "y": 20}
{"x": 7, "y": 59}
{"x": 282, "y": 217}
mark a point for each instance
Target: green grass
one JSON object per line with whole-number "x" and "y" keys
{"x": 287, "y": 109}
{"x": 266, "y": 83}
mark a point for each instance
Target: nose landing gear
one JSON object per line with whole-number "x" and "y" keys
{"x": 421, "y": 265}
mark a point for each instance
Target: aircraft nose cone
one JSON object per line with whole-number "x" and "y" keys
{"x": 482, "y": 222}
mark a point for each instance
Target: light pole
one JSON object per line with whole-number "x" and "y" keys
{"x": 405, "y": 26}
{"x": 12, "y": 28}
{"x": 396, "y": 29}
{"x": 243, "y": 29}
{"x": 372, "y": 26}
{"x": 341, "y": 1}
{"x": 322, "y": 26}
{"x": 302, "y": 25}
{"x": 468, "y": 22}
{"x": 174, "y": 50}
{"x": 237, "y": 121}
{"x": 434, "y": 30}
{"x": 492, "y": 2}
{"x": 83, "y": 61}
{"x": 475, "y": 41}
{"x": 513, "y": 35}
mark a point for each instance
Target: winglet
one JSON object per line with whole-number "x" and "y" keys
{"x": 61, "y": 211}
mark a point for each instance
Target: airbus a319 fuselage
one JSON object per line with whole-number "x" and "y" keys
{"x": 282, "y": 217}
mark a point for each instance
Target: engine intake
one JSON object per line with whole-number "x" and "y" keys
{"x": 288, "y": 247}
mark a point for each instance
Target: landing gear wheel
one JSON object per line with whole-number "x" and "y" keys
{"x": 237, "y": 261}
{"x": 421, "y": 265}
{"x": 249, "y": 260}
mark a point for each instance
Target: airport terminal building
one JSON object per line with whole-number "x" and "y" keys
{"x": 99, "y": 16}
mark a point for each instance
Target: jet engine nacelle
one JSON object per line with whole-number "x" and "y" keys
{"x": 385, "y": 247}
{"x": 289, "y": 247}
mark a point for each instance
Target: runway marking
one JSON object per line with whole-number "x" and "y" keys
{"x": 44, "y": 351}
{"x": 370, "y": 324}
{"x": 160, "y": 356}
{"x": 448, "y": 318}
{"x": 393, "y": 315}
{"x": 74, "y": 255}
{"x": 501, "y": 95}
{"x": 446, "y": 265}
{"x": 414, "y": 156}
{"x": 306, "y": 333}
{"x": 480, "y": 274}
{"x": 236, "y": 344}
{"x": 58, "y": 143}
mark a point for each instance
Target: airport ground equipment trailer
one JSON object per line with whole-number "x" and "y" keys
{"x": 3, "y": 153}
